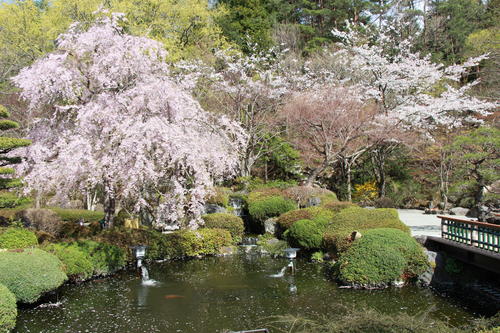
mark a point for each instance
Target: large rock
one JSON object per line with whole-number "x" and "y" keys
{"x": 459, "y": 211}
{"x": 270, "y": 225}
{"x": 213, "y": 208}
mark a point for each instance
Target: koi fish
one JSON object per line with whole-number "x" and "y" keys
{"x": 173, "y": 296}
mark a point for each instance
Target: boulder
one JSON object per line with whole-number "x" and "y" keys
{"x": 459, "y": 211}
{"x": 213, "y": 208}
{"x": 270, "y": 225}
{"x": 313, "y": 201}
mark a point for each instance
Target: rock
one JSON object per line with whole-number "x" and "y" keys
{"x": 459, "y": 211}
{"x": 426, "y": 278}
{"x": 398, "y": 283}
{"x": 227, "y": 250}
{"x": 213, "y": 208}
{"x": 270, "y": 225}
{"x": 313, "y": 201}
{"x": 356, "y": 235}
{"x": 421, "y": 239}
{"x": 493, "y": 218}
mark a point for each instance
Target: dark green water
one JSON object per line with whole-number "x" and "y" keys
{"x": 214, "y": 294}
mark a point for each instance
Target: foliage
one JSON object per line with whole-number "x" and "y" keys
{"x": 272, "y": 245}
{"x": 304, "y": 194}
{"x": 232, "y": 223}
{"x": 75, "y": 215}
{"x": 318, "y": 256}
{"x": 17, "y": 238}
{"x": 279, "y": 160}
{"x": 220, "y": 197}
{"x": 365, "y": 192}
{"x": 75, "y": 230}
{"x": 337, "y": 236}
{"x": 337, "y": 206}
{"x": 318, "y": 214}
{"x": 106, "y": 258}
{"x": 381, "y": 256}
{"x": 128, "y": 78}
{"x": 30, "y": 273}
{"x": 11, "y": 200}
{"x": 263, "y": 208}
{"x": 40, "y": 219}
{"x": 307, "y": 234}
{"x": 8, "y": 310}
{"x": 188, "y": 243}
{"x": 77, "y": 263}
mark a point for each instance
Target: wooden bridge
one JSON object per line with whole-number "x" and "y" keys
{"x": 473, "y": 242}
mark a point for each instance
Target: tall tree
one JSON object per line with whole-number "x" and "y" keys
{"x": 116, "y": 121}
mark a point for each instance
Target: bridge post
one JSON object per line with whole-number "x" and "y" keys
{"x": 475, "y": 235}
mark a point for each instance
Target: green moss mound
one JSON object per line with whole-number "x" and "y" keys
{"x": 17, "y": 238}
{"x": 74, "y": 215}
{"x": 192, "y": 243}
{"x": 381, "y": 256}
{"x": 77, "y": 263}
{"x": 319, "y": 214}
{"x": 337, "y": 206}
{"x": 106, "y": 258}
{"x": 8, "y": 310}
{"x": 306, "y": 234}
{"x": 232, "y": 223}
{"x": 263, "y": 208}
{"x": 30, "y": 273}
{"x": 337, "y": 237}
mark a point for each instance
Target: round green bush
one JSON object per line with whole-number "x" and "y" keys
{"x": 30, "y": 273}
{"x": 77, "y": 264}
{"x": 319, "y": 214}
{"x": 192, "y": 243}
{"x": 381, "y": 256}
{"x": 17, "y": 238}
{"x": 307, "y": 234}
{"x": 337, "y": 237}
{"x": 106, "y": 258}
{"x": 8, "y": 310}
{"x": 232, "y": 223}
{"x": 264, "y": 208}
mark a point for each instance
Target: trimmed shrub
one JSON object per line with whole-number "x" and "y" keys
{"x": 192, "y": 243}
{"x": 106, "y": 258}
{"x": 77, "y": 264}
{"x": 380, "y": 257}
{"x": 232, "y": 223}
{"x": 74, "y": 215}
{"x": 44, "y": 220}
{"x": 320, "y": 214}
{"x": 8, "y": 310}
{"x": 213, "y": 240}
{"x": 337, "y": 236}
{"x": 307, "y": 234}
{"x": 219, "y": 197}
{"x": 17, "y": 238}
{"x": 30, "y": 273}
{"x": 264, "y": 208}
{"x": 337, "y": 206}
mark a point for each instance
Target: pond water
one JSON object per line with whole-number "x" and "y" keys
{"x": 218, "y": 294}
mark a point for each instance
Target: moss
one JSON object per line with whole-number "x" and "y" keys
{"x": 319, "y": 214}
{"x": 261, "y": 207}
{"x": 229, "y": 222}
{"x": 190, "y": 243}
{"x": 219, "y": 197}
{"x": 337, "y": 206}
{"x": 17, "y": 238}
{"x": 75, "y": 215}
{"x": 307, "y": 234}
{"x": 8, "y": 310}
{"x": 106, "y": 258}
{"x": 337, "y": 237}
{"x": 381, "y": 256}
{"x": 77, "y": 263}
{"x": 30, "y": 273}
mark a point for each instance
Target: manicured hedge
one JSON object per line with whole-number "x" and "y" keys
{"x": 17, "y": 238}
{"x": 320, "y": 214}
{"x": 8, "y": 310}
{"x": 337, "y": 234}
{"x": 74, "y": 215}
{"x": 306, "y": 234}
{"x": 232, "y": 223}
{"x": 30, "y": 273}
{"x": 262, "y": 206}
{"x": 381, "y": 256}
{"x": 77, "y": 263}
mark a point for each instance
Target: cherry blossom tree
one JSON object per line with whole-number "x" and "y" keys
{"x": 119, "y": 123}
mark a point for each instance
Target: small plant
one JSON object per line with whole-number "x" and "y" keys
{"x": 365, "y": 192}
{"x": 17, "y": 238}
{"x": 318, "y": 256}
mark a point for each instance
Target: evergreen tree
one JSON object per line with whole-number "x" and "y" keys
{"x": 8, "y": 144}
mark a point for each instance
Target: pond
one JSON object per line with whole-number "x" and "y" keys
{"x": 217, "y": 294}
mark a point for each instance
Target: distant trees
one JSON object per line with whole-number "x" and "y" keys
{"x": 117, "y": 122}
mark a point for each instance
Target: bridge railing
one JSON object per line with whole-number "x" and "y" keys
{"x": 478, "y": 234}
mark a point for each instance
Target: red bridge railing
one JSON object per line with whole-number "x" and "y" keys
{"x": 478, "y": 234}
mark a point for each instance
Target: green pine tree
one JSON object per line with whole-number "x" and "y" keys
{"x": 8, "y": 144}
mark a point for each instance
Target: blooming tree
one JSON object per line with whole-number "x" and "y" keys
{"x": 119, "y": 123}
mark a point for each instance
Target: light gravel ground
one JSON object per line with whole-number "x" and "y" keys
{"x": 422, "y": 224}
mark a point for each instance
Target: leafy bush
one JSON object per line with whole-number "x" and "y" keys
{"x": 75, "y": 230}
{"x": 74, "y": 215}
{"x": 30, "y": 273}
{"x": 220, "y": 197}
{"x": 365, "y": 192}
{"x": 337, "y": 236}
{"x": 381, "y": 256}
{"x": 44, "y": 220}
{"x": 17, "y": 238}
{"x": 307, "y": 234}
{"x": 8, "y": 310}
{"x": 319, "y": 214}
{"x": 232, "y": 223}
{"x": 264, "y": 208}
{"x": 318, "y": 256}
{"x": 77, "y": 263}
{"x": 190, "y": 243}
{"x": 337, "y": 206}
{"x": 106, "y": 258}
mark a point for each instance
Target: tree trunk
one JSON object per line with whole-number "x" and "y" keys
{"x": 348, "y": 181}
{"x": 109, "y": 208}
{"x": 314, "y": 174}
